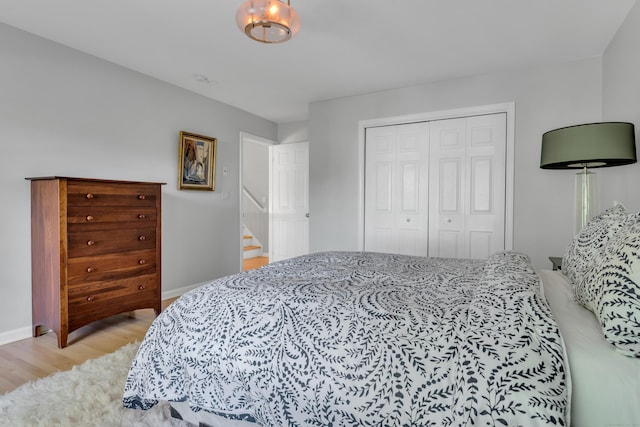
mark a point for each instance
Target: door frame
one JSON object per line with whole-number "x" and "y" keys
{"x": 508, "y": 108}
{"x": 247, "y": 137}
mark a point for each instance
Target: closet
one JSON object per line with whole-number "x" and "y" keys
{"x": 436, "y": 188}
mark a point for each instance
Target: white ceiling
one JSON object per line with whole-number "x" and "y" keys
{"x": 345, "y": 47}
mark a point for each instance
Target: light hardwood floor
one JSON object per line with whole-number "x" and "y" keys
{"x": 251, "y": 263}
{"x": 33, "y": 358}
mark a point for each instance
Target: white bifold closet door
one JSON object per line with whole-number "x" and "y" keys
{"x": 396, "y": 193}
{"x": 467, "y": 184}
{"x": 437, "y": 188}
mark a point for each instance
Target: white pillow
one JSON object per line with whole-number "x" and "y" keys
{"x": 612, "y": 289}
{"x": 585, "y": 250}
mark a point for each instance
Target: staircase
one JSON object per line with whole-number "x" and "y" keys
{"x": 253, "y": 256}
{"x": 250, "y": 247}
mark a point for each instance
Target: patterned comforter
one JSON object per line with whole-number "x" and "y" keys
{"x": 352, "y": 338}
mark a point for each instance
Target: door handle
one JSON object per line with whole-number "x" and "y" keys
{"x": 307, "y": 215}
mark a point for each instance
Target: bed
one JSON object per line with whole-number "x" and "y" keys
{"x": 353, "y": 338}
{"x": 357, "y": 338}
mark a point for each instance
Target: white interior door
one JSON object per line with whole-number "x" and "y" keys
{"x": 396, "y": 189}
{"x": 468, "y": 186}
{"x": 289, "y": 212}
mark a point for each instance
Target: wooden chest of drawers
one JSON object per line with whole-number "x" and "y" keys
{"x": 95, "y": 250}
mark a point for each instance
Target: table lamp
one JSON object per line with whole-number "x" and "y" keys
{"x": 588, "y": 146}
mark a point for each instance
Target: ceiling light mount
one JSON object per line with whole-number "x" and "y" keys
{"x": 268, "y": 21}
{"x": 201, "y": 78}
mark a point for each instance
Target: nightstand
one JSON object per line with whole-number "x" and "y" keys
{"x": 556, "y": 261}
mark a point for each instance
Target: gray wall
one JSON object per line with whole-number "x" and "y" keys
{"x": 293, "y": 132}
{"x": 545, "y": 98}
{"x": 66, "y": 113}
{"x": 621, "y": 96}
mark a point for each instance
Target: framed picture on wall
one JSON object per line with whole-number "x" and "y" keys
{"x": 197, "y": 162}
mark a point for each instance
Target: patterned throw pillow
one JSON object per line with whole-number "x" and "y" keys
{"x": 585, "y": 250}
{"x": 612, "y": 290}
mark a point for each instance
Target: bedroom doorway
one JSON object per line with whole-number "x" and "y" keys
{"x": 274, "y": 202}
{"x": 439, "y": 184}
{"x": 254, "y": 201}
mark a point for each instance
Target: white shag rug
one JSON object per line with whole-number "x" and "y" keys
{"x": 89, "y": 394}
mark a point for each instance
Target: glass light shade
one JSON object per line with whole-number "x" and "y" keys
{"x": 268, "y": 21}
{"x": 593, "y": 145}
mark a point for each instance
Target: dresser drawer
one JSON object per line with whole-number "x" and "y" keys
{"x": 95, "y": 294}
{"x": 145, "y": 216}
{"x": 110, "y": 267}
{"x": 95, "y": 301}
{"x": 100, "y": 242}
{"x": 82, "y": 193}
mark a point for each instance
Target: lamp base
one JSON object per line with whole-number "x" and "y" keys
{"x": 586, "y": 206}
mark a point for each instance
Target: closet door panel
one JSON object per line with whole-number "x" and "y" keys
{"x": 446, "y": 243}
{"x": 481, "y": 188}
{"x": 486, "y": 151}
{"x": 448, "y": 176}
{"x": 480, "y": 246}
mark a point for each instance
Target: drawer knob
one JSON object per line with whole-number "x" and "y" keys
{"x": 142, "y": 216}
{"x": 89, "y": 196}
{"x": 89, "y": 217}
{"x": 90, "y": 269}
{"x": 142, "y": 238}
{"x": 142, "y": 261}
{"x": 141, "y": 287}
{"x": 90, "y": 299}
{"x": 90, "y": 243}
{"x": 141, "y": 197}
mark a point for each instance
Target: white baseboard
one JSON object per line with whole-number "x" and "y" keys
{"x": 15, "y": 335}
{"x": 173, "y": 293}
{"x": 25, "y": 332}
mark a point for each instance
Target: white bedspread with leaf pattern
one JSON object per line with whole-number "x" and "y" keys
{"x": 366, "y": 339}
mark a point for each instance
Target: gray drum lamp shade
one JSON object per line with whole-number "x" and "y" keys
{"x": 591, "y": 145}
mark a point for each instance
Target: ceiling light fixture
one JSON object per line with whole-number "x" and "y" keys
{"x": 268, "y": 21}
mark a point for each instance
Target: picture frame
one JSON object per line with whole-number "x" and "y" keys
{"x": 196, "y": 162}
